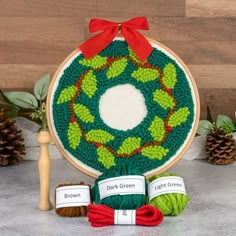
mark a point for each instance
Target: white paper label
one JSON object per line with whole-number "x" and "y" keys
{"x": 125, "y": 217}
{"x": 72, "y": 196}
{"x": 164, "y": 185}
{"x": 123, "y": 185}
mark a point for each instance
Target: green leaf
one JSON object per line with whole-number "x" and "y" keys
{"x": 41, "y": 87}
{"x": 155, "y": 152}
{"x": 221, "y": 119}
{"x": 157, "y": 129}
{"x": 163, "y": 99}
{"x": 116, "y": 68}
{"x": 99, "y": 136}
{"x": 22, "y": 99}
{"x": 105, "y": 157}
{"x": 83, "y": 113}
{"x": 5, "y": 98}
{"x": 226, "y": 123}
{"x": 74, "y": 135}
{"x": 95, "y": 62}
{"x": 209, "y": 116}
{"x": 229, "y": 127}
{"x": 178, "y": 117}
{"x": 89, "y": 84}
{"x": 134, "y": 56}
{"x": 129, "y": 145}
{"x": 13, "y": 109}
{"x": 145, "y": 74}
{"x": 204, "y": 127}
{"x": 169, "y": 78}
{"x": 67, "y": 94}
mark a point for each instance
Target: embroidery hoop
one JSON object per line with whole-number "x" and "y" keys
{"x": 93, "y": 172}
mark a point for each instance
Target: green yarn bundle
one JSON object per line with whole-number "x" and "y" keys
{"x": 126, "y": 202}
{"x": 170, "y": 204}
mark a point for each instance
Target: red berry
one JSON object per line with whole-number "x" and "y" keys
{"x": 169, "y": 128}
{"x": 169, "y": 90}
{"x": 148, "y": 64}
{"x": 77, "y": 84}
{"x": 72, "y": 120}
{"x": 138, "y": 150}
{"x": 109, "y": 60}
{"x": 97, "y": 145}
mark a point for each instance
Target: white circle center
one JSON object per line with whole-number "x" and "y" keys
{"x": 122, "y": 107}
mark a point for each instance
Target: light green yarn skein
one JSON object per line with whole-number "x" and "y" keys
{"x": 170, "y": 204}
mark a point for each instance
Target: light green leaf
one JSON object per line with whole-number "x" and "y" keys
{"x": 12, "y": 107}
{"x": 169, "y": 78}
{"x": 145, "y": 74}
{"x": 157, "y": 129}
{"x": 67, "y": 94}
{"x": 116, "y": 68}
{"x": 163, "y": 99}
{"x": 178, "y": 117}
{"x": 105, "y": 157}
{"x": 41, "y": 87}
{"x": 222, "y": 119}
{"x": 229, "y": 127}
{"x": 204, "y": 127}
{"x": 74, "y": 135}
{"x": 5, "y": 98}
{"x": 155, "y": 152}
{"x": 95, "y": 62}
{"x": 89, "y": 84}
{"x": 83, "y": 113}
{"x": 129, "y": 145}
{"x": 226, "y": 123}
{"x": 22, "y": 99}
{"x": 134, "y": 56}
{"x": 99, "y": 136}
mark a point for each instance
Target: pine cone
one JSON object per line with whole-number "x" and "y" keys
{"x": 220, "y": 147}
{"x": 11, "y": 141}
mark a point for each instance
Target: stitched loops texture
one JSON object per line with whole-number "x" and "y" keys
{"x": 149, "y": 145}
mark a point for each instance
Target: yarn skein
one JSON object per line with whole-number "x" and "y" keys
{"x": 126, "y": 202}
{"x": 170, "y": 204}
{"x": 101, "y": 215}
{"x": 71, "y": 211}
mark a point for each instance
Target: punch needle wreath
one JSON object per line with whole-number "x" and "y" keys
{"x": 149, "y": 145}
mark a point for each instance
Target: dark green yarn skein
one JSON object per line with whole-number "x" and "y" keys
{"x": 170, "y": 204}
{"x": 126, "y": 202}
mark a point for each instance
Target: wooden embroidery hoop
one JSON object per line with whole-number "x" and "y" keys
{"x": 88, "y": 170}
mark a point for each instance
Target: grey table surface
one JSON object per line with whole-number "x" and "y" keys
{"x": 212, "y": 210}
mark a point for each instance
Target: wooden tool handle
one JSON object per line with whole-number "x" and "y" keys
{"x": 44, "y": 165}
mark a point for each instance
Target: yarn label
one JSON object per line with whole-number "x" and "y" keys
{"x": 123, "y": 185}
{"x": 72, "y": 196}
{"x": 125, "y": 217}
{"x": 164, "y": 185}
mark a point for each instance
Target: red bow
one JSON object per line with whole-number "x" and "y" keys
{"x": 101, "y": 215}
{"x": 136, "y": 41}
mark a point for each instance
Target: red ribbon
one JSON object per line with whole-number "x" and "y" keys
{"x": 136, "y": 41}
{"x": 102, "y": 215}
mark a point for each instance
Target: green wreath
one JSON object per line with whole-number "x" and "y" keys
{"x": 149, "y": 145}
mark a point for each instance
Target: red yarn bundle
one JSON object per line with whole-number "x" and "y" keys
{"x": 102, "y": 215}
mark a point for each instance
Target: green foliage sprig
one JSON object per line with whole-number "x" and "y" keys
{"x": 222, "y": 121}
{"x": 35, "y": 102}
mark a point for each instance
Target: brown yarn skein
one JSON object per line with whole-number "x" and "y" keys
{"x": 72, "y": 211}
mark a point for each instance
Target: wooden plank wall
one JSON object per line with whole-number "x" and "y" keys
{"x": 36, "y": 35}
